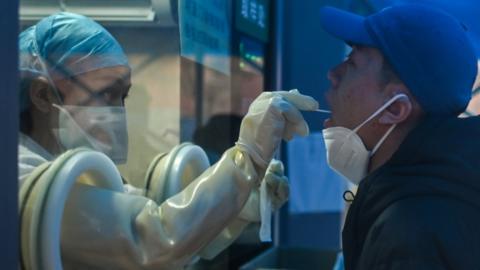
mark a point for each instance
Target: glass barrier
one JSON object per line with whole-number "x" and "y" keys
{"x": 133, "y": 84}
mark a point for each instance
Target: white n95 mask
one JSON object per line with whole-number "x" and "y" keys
{"x": 346, "y": 152}
{"x": 100, "y": 128}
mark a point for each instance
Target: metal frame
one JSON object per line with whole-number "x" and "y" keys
{"x": 9, "y": 246}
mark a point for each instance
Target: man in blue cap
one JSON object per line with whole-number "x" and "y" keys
{"x": 395, "y": 131}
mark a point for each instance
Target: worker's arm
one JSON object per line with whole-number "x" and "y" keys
{"x": 277, "y": 191}
{"x": 102, "y": 229}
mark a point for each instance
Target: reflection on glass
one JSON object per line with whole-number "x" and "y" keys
{"x": 154, "y": 103}
{"x": 80, "y": 88}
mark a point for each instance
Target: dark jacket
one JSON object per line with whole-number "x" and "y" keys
{"x": 421, "y": 210}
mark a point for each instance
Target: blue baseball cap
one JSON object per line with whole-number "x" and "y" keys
{"x": 428, "y": 49}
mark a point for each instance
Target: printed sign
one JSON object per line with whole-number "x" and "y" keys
{"x": 252, "y": 18}
{"x": 205, "y": 33}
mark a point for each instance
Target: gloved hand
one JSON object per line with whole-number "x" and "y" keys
{"x": 271, "y": 117}
{"x": 278, "y": 191}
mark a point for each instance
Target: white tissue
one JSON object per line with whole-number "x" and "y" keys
{"x": 265, "y": 233}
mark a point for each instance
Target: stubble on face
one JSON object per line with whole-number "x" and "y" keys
{"x": 355, "y": 91}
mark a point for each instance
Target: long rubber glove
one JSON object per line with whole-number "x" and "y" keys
{"x": 277, "y": 188}
{"x": 271, "y": 117}
{"x": 108, "y": 230}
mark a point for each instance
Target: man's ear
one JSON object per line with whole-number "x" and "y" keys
{"x": 400, "y": 109}
{"x": 41, "y": 94}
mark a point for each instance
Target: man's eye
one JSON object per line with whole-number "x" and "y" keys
{"x": 348, "y": 56}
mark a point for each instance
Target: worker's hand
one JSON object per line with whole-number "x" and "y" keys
{"x": 271, "y": 117}
{"x": 278, "y": 191}
{"x": 277, "y": 184}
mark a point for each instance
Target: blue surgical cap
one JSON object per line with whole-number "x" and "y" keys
{"x": 64, "y": 45}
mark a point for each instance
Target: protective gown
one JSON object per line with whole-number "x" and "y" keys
{"x": 104, "y": 229}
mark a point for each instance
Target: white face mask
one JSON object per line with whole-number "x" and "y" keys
{"x": 346, "y": 153}
{"x": 108, "y": 122}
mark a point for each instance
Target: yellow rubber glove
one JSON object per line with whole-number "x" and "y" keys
{"x": 273, "y": 116}
{"x": 277, "y": 190}
{"x": 102, "y": 229}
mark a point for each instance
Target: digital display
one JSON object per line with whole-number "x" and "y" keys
{"x": 251, "y": 54}
{"x": 252, "y": 17}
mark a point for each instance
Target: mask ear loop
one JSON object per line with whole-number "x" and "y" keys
{"x": 49, "y": 79}
{"x": 377, "y": 112}
{"x": 46, "y": 74}
{"x": 383, "y": 107}
{"x": 384, "y": 137}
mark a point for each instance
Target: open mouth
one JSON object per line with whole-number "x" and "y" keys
{"x": 328, "y": 122}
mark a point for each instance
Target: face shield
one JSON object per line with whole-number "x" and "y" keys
{"x": 65, "y": 46}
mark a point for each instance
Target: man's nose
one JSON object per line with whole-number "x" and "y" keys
{"x": 334, "y": 75}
